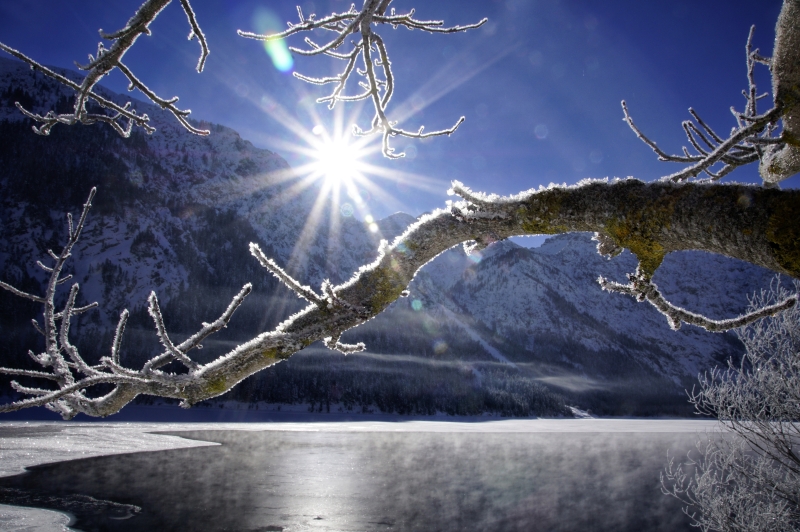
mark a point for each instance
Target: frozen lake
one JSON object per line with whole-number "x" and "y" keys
{"x": 351, "y": 475}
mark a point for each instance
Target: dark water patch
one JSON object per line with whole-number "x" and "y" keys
{"x": 268, "y": 481}
{"x": 83, "y": 505}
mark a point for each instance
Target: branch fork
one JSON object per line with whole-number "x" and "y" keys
{"x": 643, "y": 288}
{"x": 328, "y": 301}
{"x": 71, "y": 374}
{"x": 121, "y": 118}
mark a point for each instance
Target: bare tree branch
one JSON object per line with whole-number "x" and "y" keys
{"x": 378, "y": 81}
{"x": 117, "y": 343}
{"x": 643, "y": 289}
{"x": 301, "y": 290}
{"x": 105, "y": 61}
{"x": 744, "y": 151}
{"x": 28, "y": 373}
{"x": 155, "y": 313}
{"x": 753, "y": 140}
{"x": 74, "y": 376}
{"x": 196, "y": 32}
{"x": 20, "y": 293}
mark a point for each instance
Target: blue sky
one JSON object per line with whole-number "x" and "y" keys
{"x": 540, "y": 84}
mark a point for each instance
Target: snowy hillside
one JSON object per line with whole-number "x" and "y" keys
{"x": 545, "y": 304}
{"x": 540, "y": 314}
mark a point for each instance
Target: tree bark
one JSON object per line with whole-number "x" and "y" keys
{"x": 779, "y": 164}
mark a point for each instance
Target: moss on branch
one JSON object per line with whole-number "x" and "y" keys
{"x": 754, "y": 224}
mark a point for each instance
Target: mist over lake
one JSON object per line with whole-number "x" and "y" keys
{"x": 364, "y": 477}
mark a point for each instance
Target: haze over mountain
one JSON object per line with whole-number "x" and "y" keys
{"x": 510, "y": 330}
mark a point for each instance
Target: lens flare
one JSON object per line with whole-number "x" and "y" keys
{"x": 280, "y": 55}
{"x": 335, "y": 166}
{"x": 266, "y": 22}
{"x": 439, "y": 347}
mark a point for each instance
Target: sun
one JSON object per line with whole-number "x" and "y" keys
{"x": 337, "y": 160}
{"x": 340, "y": 169}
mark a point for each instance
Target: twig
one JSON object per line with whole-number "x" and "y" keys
{"x": 743, "y": 146}
{"x": 155, "y": 313}
{"x": 303, "y": 291}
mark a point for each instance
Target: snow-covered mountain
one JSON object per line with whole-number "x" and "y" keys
{"x": 540, "y": 314}
{"x": 180, "y": 175}
{"x": 174, "y": 213}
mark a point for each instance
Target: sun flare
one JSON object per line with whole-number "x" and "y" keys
{"x": 341, "y": 170}
{"x": 337, "y": 160}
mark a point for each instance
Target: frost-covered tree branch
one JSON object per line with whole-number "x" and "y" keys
{"x": 71, "y": 373}
{"x": 644, "y": 289}
{"x": 121, "y": 118}
{"x": 378, "y": 81}
{"x": 756, "y": 137}
{"x": 749, "y": 480}
{"x": 650, "y": 219}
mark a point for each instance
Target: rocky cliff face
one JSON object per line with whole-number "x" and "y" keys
{"x": 175, "y": 212}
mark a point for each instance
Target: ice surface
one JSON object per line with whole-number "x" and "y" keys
{"x": 29, "y": 443}
{"x": 25, "y": 444}
{"x": 17, "y": 519}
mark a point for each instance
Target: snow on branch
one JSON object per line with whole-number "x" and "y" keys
{"x": 328, "y": 300}
{"x": 335, "y": 345}
{"x": 377, "y": 82}
{"x": 754, "y": 138}
{"x": 117, "y": 342}
{"x": 155, "y": 312}
{"x": 749, "y": 478}
{"x": 121, "y": 118}
{"x": 644, "y": 289}
{"x": 303, "y": 291}
{"x": 20, "y": 293}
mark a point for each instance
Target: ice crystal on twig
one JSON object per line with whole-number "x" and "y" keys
{"x": 69, "y": 371}
{"x": 644, "y": 289}
{"x": 749, "y": 478}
